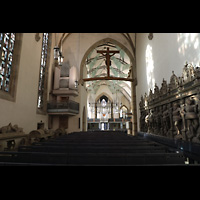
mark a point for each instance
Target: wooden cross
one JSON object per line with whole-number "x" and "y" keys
{"x": 107, "y": 56}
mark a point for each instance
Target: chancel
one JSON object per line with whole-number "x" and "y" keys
{"x": 99, "y": 99}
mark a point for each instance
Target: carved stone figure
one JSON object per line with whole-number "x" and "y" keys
{"x": 151, "y": 121}
{"x": 191, "y": 117}
{"x": 177, "y": 118}
{"x": 141, "y": 102}
{"x": 174, "y": 81}
{"x": 143, "y": 125}
{"x": 156, "y": 91}
{"x": 145, "y": 99}
{"x": 197, "y": 138}
{"x": 163, "y": 89}
{"x": 166, "y": 120}
{"x": 188, "y": 72}
{"x": 150, "y": 95}
{"x": 197, "y": 73}
{"x": 9, "y": 128}
{"x": 170, "y": 111}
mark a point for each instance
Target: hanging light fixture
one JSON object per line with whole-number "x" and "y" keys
{"x": 60, "y": 59}
{"x": 76, "y": 84}
{"x": 56, "y": 51}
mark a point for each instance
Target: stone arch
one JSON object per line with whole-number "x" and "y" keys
{"x": 82, "y": 65}
{"x": 124, "y": 106}
{"x": 132, "y": 70}
{"x": 103, "y": 93}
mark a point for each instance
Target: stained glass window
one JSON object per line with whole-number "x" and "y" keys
{"x": 43, "y": 68}
{"x": 7, "y": 42}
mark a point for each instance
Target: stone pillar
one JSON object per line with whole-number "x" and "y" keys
{"x": 133, "y": 102}
{"x": 95, "y": 105}
{"x": 134, "y": 110}
{"x": 112, "y": 110}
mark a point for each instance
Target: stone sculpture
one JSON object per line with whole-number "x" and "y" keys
{"x": 191, "y": 118}
{"x": 9, "y": 128}
{"x": 174, "y": 109}
{"x": 177, "y": 118}
{"x": 11, "y": 136}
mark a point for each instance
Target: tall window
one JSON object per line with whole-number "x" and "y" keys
{"x": 43, "y": 73}
{"x": 7, "y": 42}
{"x": 10, "y": 51}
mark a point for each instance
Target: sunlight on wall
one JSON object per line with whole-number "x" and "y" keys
{"x": 150, "y": 68}
{"x": 189, "y": 46}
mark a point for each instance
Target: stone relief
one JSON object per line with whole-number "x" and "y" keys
{"x": 13, "y": 136}
{"x": 173, "y": 110}
{"x": 9, "y": 129}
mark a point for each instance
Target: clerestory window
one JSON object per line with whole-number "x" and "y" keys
{"x": 43, "y": 74}
{"x": 7, "y": 42}
{"x": 10, "y": 48}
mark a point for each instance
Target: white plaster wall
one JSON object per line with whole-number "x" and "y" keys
{"x": 157, "y": 58}
{"x": 23, "y": 111}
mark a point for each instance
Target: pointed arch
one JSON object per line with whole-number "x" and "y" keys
{"x": 102, "y": 94}
{"x": 132, "y": 73}
{"x": 106, "y": 40}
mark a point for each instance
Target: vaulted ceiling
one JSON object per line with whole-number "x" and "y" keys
{"x": 96, "y": 66}
{"x": 120, "y": 67}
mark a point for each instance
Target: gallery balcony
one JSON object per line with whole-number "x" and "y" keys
{"x": 63, "y": 108}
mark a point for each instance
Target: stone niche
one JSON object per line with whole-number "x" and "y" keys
{"x": 173, "y": 110}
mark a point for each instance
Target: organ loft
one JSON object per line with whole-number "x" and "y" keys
{"x": 99, "y": 99}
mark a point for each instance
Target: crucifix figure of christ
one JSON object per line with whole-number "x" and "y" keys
{"x": 107, "y": 54}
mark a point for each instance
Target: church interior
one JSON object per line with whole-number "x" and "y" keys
{"x": 138, "y": 88}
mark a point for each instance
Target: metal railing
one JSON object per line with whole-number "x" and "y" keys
{"x": 67, "y": 106}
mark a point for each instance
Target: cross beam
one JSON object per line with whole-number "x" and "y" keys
{"x": 108, "y": 78}
{"x": 108, "y": 54}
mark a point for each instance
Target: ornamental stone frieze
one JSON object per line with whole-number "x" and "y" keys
{"x": 173, "y": 110}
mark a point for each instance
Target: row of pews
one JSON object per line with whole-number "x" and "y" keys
{"x": 99, "y": 148}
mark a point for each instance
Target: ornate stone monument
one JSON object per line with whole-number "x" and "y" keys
{"x": 174, "y": 109}
{"x": 11, "y": 136}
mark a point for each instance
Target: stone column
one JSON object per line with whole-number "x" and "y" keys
{"x": 134, "y": 109}
{"x": 133, "y": 100}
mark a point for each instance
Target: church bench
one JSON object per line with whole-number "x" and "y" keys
{"x": 92, "y": 158}
{"x": 75, "y": 145}
{"x": 93, "y": 149}
{"x": 45, "y": 164}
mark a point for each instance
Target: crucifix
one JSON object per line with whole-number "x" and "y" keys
{"x": 107, "y": 54}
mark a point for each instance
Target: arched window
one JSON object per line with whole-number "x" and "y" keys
{"x": 43, "y": 74}
{"x": 123, "y": 111}
{"x": 10, "y": 47}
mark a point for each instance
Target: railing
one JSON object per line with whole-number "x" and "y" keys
{"x": 60, "y": 107}
{"x": 127, "y": 119}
